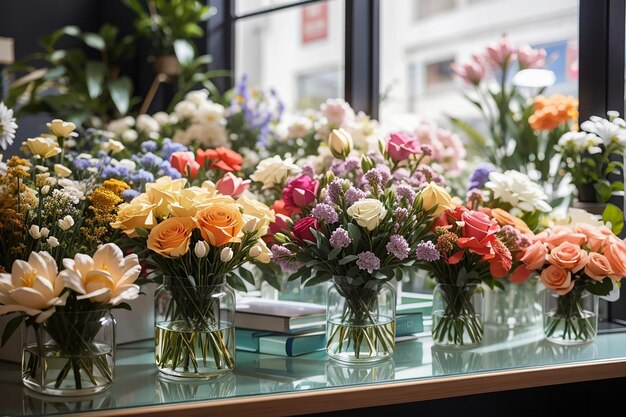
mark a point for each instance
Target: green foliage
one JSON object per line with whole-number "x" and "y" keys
{"x": 11, "y": 327}
{"x": 615, "y": 216}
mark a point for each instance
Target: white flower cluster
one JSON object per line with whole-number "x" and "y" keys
{"x": 206, "y": 119}
{"x": 518, "y": 190}
{"x": 596, "y": 132}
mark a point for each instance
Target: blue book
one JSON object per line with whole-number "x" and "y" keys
{"x": 408, "y": 324}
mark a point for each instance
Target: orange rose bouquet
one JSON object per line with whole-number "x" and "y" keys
{"x": 195, "y": 242}
{"x": 577, "y": 263}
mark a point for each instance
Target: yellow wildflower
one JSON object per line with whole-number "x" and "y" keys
{"x": 103, "y": 199}
{"x": 117, "y": 186}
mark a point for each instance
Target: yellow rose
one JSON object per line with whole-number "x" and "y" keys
{"x": 135, "y": 214}
{"x": 171, "y": 237}
{"x": 433, "y": 195}
{"x": 61, "y": 129}
{"x": 254, "y": 209}
{"x": 163, "y": 192}
{"x": 220, "y": 223}
{"x": 193, "y": 199}
{"x": 43, "y": 147}
{"x": 367, "y": 212}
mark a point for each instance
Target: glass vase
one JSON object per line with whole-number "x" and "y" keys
{"x": 360, "y": 321}
{"x": 194, "y": 330}
{"x": 457, "y": 315}
{"x": 518, "y": 305}
{"x": 70, "y": 353}
{"x": 570, "y": 319}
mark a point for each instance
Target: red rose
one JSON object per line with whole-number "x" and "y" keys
{"x": 302, "y": 229}
{"x": 220, "y": 158}
{"x": 185, "y": 163}
{"x": 479, "y": 231}
{"x": 300, "y": 192}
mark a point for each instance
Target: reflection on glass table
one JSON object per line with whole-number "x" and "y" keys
{"x": 138, "y": 383}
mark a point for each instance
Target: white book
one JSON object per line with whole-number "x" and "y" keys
{"x": 279, "y": 316}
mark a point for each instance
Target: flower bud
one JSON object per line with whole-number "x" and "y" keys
{"x": 251, "y": 225}
{"x": 255, "y": 251}
{"x": 45, "y": 189}
{"x": 53, "y": 241}
{"x": 226, "y": 255}
{"x": 340, "y": 143}
{"x": 44, "y": 232}
{"x": 66, "y": 222}
{"x": 201, "y": 249}
{"x": 34, "y": 231}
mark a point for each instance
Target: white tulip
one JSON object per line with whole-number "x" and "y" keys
{"x": 53, "y": 241}
{"x": 226, "y": 255}
{"x": 255, "y": 251}
{"x": 34, "y": 231}
{"x": 273, "y": 171}
{"x": 44, "y": 232}
{"x": 45, "y": 190}
{"x": 340, "y": 143}
{"x": 66, "y": 222}
{"x": 201, "y": 249}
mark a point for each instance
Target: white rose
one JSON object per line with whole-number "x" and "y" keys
{"x": 367, "y": 212}
{"x": 209, "y": 112}
{"x": 273, "y": 171}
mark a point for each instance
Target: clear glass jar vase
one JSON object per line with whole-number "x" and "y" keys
{"x": 70, "y": 353}
{"x": 194, "y": 330}
{"x": 360, "y": 321}
{"x": 457, "y": 315}
{"x": 570, "y": 319}
{"x": 518, "y": 305}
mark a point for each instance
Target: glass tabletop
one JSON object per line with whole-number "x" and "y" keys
{"x": 137, "y": 382}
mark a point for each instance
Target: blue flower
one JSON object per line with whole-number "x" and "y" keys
{"x": 480, "y": 175}
{"x": 129, "y": 194}
{"x": 141, "y": 175}
{"x": 150, "y": 160}
{"x": 149, "y": 146}
{"x": 170, "y": 147}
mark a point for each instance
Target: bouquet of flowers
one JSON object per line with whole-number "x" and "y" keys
{"x": 195, "y": 239}
{"x": 576, "y": 260}
{"x": 467, "y": 248}
{"x": 360, "y": 234}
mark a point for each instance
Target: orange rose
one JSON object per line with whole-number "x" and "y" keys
{"x": 615, "y": 251}
{"x": 220, "y": 223}
{"x": 568, "y": 256}
{"x": 170, "y": 238}
{"x": 535, "y": 256}
{"x": 595, "y": 235}
{"x": 506, "y": 219}
{"x": 562, "y": 234}
{"x": 557, "y": 279}
{"x": 598, "y": 266}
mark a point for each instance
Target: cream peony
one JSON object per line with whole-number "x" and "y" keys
{"x": 367, "y": 212}
{"x": 273, "y": 171}
{"x": 106, "y": 278}
{"x": 32, "y": 287}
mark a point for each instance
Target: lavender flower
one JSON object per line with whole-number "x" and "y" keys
{"x": 374, "y": 178}
{"x": 401, "y": 174}
{"x": 425, "y": 174}
{"x": 149, "y": 146}
{"x": 351, "y": 163}
{"x": 398, "y": 247}
{"x": 325, "y": 213}
{"x": 426, "y": 251}
{"x": 405, "y": 191}
{"x": 427, "y": 150}
{"x": 480, "y": 175}
{"x": 400, "y": 213}
{"x": 376, "y": 157}
{"x": 385, "y": 173}
{"x": 340, "y": 238}
{"x": 368, "y": 261}
{"x": 353, "y": 195}
{"x": 283, "y": 257}
{"x": 308, "y": 169}
{"x": 335, "y": 189}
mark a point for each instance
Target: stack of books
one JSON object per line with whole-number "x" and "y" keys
{"x": 293, "y": 328}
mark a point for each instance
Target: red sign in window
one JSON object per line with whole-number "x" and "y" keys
{"x": 314, "y": 22}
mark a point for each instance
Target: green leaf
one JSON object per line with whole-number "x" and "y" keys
{"x": 54, "y": 73}
{"x": 94, "y": 74}
{"x": 123, "y": 306}
{"x": 247, "y": 275}
{"x": 474, "y": 135}
{"x": 617, "y": 186}
{"x": 600, "y": 288}
{"x": 348, "y": 259}
{"x": 143, "y": 233}
{"x": 236, "y": 283}
{"x": 603, "y": 190}
{"x": 614, "y": 215}
{"x": 10, "y": 328}
{"x": 192, "y": 30}
{"x": 94, "y": 40}
{"x": 184, "y": 51}
{"x": 333, "y": 253}
{"x": 355, "y": 234}
{"x": 121, "y": 90}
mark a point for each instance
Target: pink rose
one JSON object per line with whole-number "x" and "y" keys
{"x": 300, "y": 192}
{"x": 535, "y": 256}
{"x": 501, "y": 53}
{"x": 557, "y": 279}
{"x": 598, "y": 267}
{"x": 615, "y": 251}
{"x": 595, "y": 235}
{"x": 185, "y": 163}
{"x": 531, "y": 58}
{"x": 302, "y": 229}
{"x": 401, "y": 146}
{"x": 568, "y": 256}
{"x": 280, "y": 224}
{"x": 232, "y": 185}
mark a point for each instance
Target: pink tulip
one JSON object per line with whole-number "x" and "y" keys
{"x": 500, "y": 54}
{"x": 185, "y": 163}
{"x": 471, "y": 72}
{"x": 232, "y": 185}
{"x": 531, "y": 58}
{"x": 401, "y": 146}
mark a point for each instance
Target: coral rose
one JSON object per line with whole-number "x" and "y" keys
{"x": 185, "y": 163}
{"x": 220, "y": 158}
{"x": 568, "y": 256}
{"x": 595, "y": 235}
{"x": 615, "y": 251}
{"x": 561, "y": 234}
{"x": 171, "y": 237}
{"x": 506, "y": 219}
{"x": 598, "y": 267}
{"x": 535, "y": 256}
{"x": 220, "y": 223}
{"x": 557, "y": 279}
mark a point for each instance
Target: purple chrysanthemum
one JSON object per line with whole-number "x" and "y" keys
{"x": 398, "y": 247}
{"x": 405, "y": 191}
{"x": 426, "y": 251}
{"x": 325, "y": 213}
{"x": 368, "y": 261}
{"x": 283, "y": 257}
{"x": 340, "y": 238}
{"x": 353, "y": 195}
{"x": 480, "y": 175}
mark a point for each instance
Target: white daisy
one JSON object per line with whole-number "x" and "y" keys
{"x": 7, "y": 127}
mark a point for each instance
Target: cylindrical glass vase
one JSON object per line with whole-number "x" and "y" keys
{"x": 360, "y": 321}
{"x": 70, "y": 353}
{"x": 457, "y": 315}
{"x": 515, "y": 306}
{"x": 194, "y": 329}
{"x": 570, "y": 319}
